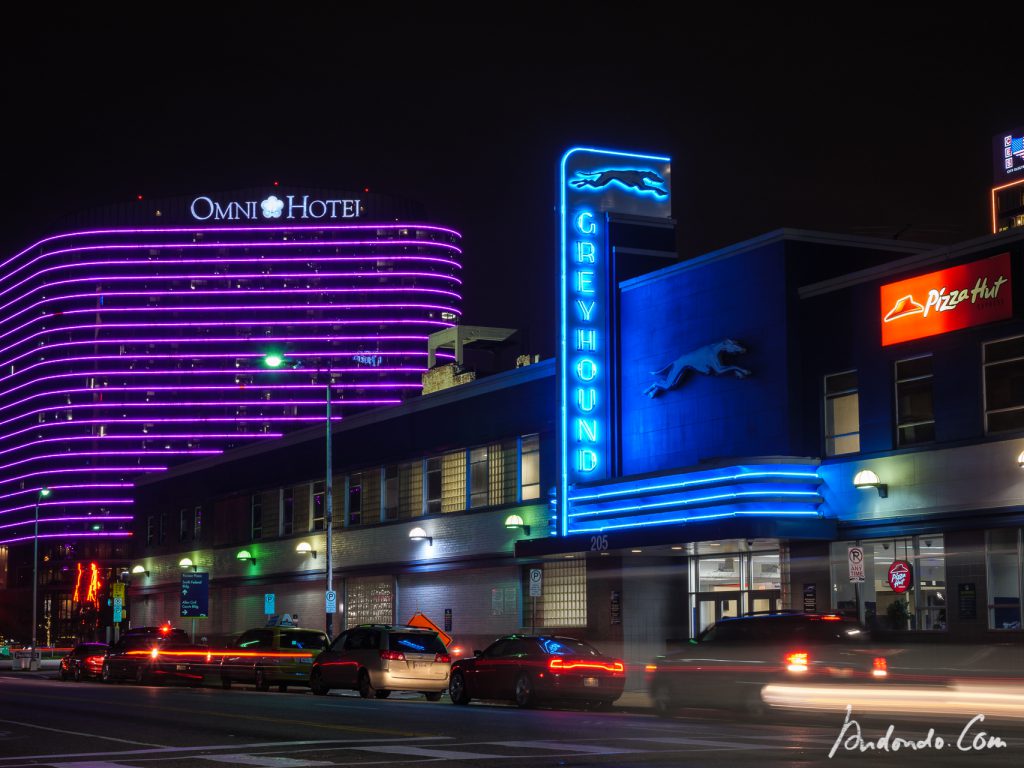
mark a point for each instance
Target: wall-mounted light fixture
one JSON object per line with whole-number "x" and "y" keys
{"x": 418, "y": 534}
{"x": 137, "y": 569}
{"x": 304, "y": 548}
{"x": 185, "y": 563}
{"x": 867, "y": 479}
{"x": 515, "y": 522}
{"x": 245, "y": 555}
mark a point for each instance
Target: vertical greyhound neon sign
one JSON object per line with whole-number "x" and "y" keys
{"x": 593, "y": 183}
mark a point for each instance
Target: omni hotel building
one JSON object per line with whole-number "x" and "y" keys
{"x": 137, "y": 338}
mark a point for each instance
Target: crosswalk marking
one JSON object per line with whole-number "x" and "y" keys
{"x": 441, "y": 754}
{"x": 590, "y": 749}
{"x": 89, "y": 764}
{"x": 263, "y": 761}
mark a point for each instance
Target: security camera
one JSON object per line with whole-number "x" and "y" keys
{"x": 750, "y": 542}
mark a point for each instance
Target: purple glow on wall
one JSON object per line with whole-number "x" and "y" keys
{"x": 213, "y": 300}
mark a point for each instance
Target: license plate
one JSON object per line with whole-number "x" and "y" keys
{"x": 182, "y": 667}
{"x": 590, "y": 682}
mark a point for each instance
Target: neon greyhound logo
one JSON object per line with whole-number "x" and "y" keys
{"x": 630, "y": 179}
{"x": 204, "y": 208}
{"x": 703, "y": 360}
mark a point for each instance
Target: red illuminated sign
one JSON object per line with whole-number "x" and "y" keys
{"x": 899, "y": 576}
{"x": 947, "y": 300}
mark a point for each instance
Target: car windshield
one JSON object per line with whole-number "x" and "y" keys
{"x": 415, "y": 642}
{"x": 565, "y": 646}
{"x": 301, "y": 641}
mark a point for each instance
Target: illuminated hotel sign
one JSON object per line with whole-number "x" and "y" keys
{"x": 274, "y": 208}
{"x": 593, "y": 184}
{"x": 1008, "y": 156}
{"x": 947, "y": 300}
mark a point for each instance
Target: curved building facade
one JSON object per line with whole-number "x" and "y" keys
{"x": 126, "y": 350}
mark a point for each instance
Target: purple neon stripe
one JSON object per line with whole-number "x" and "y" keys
{"x": 28, "y": 491}
{"x": 140, "y": 436}
{"x": 76, "y": 454}
{"x": 201, "y": 229}
{"x": 264, "y": 340}
{"x": 129, "y": 470}
{"x": 93, "y": 518}
{"x": 269, "y": 244}
{"x": 72, "y": 535}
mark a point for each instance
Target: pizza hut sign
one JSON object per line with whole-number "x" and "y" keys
{"x": 899, "y": 576}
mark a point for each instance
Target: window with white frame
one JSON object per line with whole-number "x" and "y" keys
{"x": 433, "y": 488}
{"x": 287, "y": 511}
{"x": 319, "y": 501}
{"x": 842, "y": 414}
{"x": 1004, "y": 384}
{"x": 390, "y": 492}
{"x": 256, "y": 516}
{"x": 529, "y": 467}
{"x": 915, "y": 411}
{"x": 1003, "y": 557}
{"x": 478, "y": 485}
{"x": 355, "y": 498}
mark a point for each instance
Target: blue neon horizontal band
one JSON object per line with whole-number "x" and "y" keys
{"x": 692, "y": 519}
{"x": 698, "y": 500}
{"x": 702, "y": 481}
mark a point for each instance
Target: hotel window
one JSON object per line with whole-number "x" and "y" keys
{"x": 915, "y": 412}
{"x": 163, "y": 527}
{"x": 530, "y": 468}
{"x": 410, "y": 490}
{"x": 319, "y": 500}
{"x": 197, "y": 523}
{"x": 1004, "y": 385}
{"x": 564, "y": 599}
{"x": 355, "y": 499}
{"x": 150, "y": 525}
{"x": 390, "y": 491}
{"x": 256, "y": 516}
{"x": 842, "y": 415}
{"x": 433, "y": 489}
{"x": 453, "y": 481}
{"x": 478, "y": 486}
{"x": 1003, "y": 558}
{"x": 287, "y": 511}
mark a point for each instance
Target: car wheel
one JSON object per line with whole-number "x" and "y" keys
{"x": 225, "y": 682}
{"x": 78, "y": 675}
{"x": 379, "y": 694}
{"x": 105, "y": 674}
{"x": 140, "y": 675}
{"x": 316, "y": 684}
{"x": 62, "y": 675}
{"x": 433, "y": 696}
{"x": 457, "y": 689}
{"x": 524, "y": 692}
{"x": 661, "y": 700}
{"x": 366, "y": 689}
{"x": 262, "y": 684}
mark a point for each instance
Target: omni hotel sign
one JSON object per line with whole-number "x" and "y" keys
{"x": 594, "y": 185}
{"x": 293, "y": 207}
{"x": 947, "y": 300}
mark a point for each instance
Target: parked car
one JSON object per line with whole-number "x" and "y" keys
{"x": 83, "y": 661}
{"x": 731, "y": 661}
{"x": 531, "y": 669}
{"x": 376, "y": 659}
{"x": 266, "y": 656}
{"x": 158, "y": 658}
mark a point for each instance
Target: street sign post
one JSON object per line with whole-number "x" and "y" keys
{"x": 268, "y": 604}
{"x": 331, "y": 601}
{"x": 855, "y": 561}
{"x": 536, "y": 590}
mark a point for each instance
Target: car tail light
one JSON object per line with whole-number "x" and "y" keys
{"x": 797, "y": 661}
{"x": 392, "y": 655}
{"x": 93, "y": 661}
{"x": 154, "y": 653}
{"x": 558, "y": 664}
{"x": 442, "y": 658}
{"x": 880, "y": 667}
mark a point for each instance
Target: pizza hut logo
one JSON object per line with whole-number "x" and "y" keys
{"x": 899, "y": 576}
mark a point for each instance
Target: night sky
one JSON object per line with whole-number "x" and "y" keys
{"x": 878, "y": 124}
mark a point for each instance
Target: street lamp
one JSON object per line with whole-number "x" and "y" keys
{"x": 274, "y": 360}
{"x": 43, "y": 493}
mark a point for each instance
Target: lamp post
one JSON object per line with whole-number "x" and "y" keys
{"x": 276, "y": 361}
{"x": 43, "y": 493}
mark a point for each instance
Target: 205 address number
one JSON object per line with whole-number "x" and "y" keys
{"x": 599, "y": 543}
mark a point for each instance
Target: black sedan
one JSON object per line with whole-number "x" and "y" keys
{"x": 534, "y": 669}
{"x": 83, "y": 661}
{"x": 148, "y": 659}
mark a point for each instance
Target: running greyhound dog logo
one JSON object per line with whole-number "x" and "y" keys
{"x": 628, "y": 178}
{"x": 703, "y": 360}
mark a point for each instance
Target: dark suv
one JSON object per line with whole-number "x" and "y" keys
{"x": 732, "y": 660}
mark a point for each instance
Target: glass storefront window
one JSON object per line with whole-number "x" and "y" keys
{"x": 1003, "y": 560}
{"x": 719, "y": 574}
{"x": 922, "y": 607}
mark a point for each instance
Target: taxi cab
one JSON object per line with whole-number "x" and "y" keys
{"x": 278, "y": 655}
